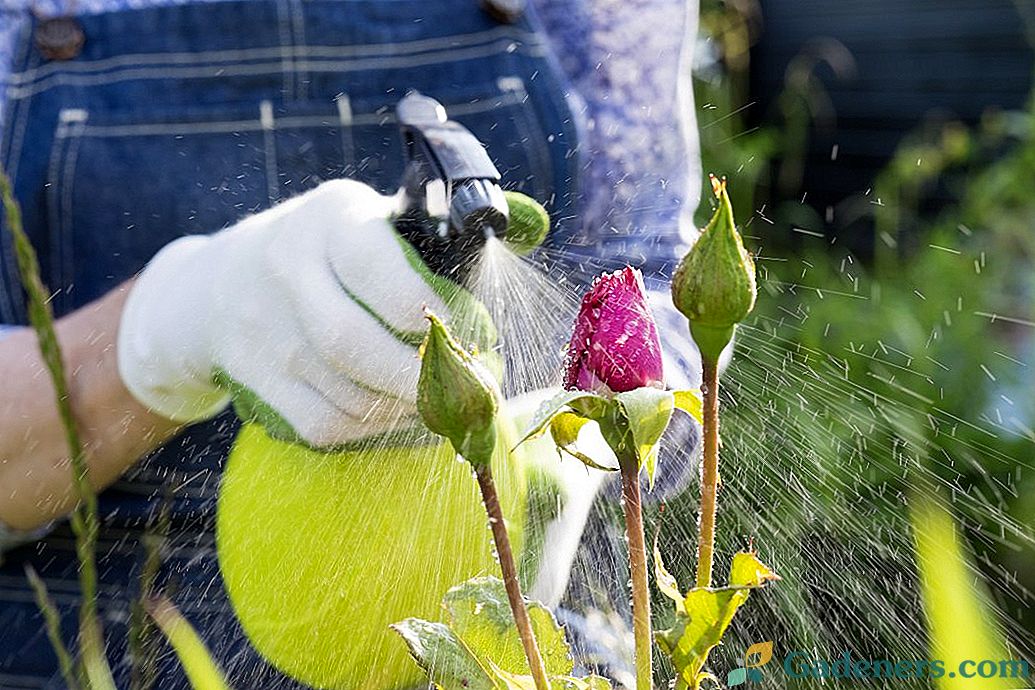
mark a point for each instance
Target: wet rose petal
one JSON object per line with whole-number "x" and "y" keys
{"x": 614, "y": 346}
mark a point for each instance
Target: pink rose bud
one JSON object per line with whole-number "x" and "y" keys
{"x": 615, "y": 345}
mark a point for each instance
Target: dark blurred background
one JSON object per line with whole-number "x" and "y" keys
{"x": 864, "y": 75}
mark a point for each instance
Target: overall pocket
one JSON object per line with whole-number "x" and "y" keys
{"x": 121, "y": 185}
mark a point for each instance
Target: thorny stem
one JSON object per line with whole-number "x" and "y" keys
{"x": 710, "y": 473}
{"x": 510, "y": 576}
{"x": 638, "y": 570}
{"x": 84, "y": 519}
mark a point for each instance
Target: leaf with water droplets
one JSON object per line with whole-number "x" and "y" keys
{"x": 553, "y": 407}
{"x": 479, "y": 648}
{"x": 448, "y": 663}
{"x": 748, "y": 571}
{"x": 516, "y": 682}
{"x": 647, "y": 411}
{"x": 480, "y": 615}
{"x": 707, "y": 614}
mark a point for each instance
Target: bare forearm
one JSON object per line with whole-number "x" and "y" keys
{"x": 35, "y": 472}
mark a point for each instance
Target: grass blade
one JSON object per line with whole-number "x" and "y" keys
{"x": 202, "y": 670}
{"x": 53, "y": 623}
{"x": 143, "y": 643}
{"x": 85, "y": 522}
{"x": 960, "y": 624}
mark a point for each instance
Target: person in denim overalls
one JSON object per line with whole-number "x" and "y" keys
{"x": 131, "y": 129}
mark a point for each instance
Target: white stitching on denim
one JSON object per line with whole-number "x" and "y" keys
{"x": 73, "y": 115}
{"x": 287, "y": 58}
{"x": 173, "y": 129}
{"x": 269, "y": 145}
{"x": 307, "y": 51}
{"x": 282, "y": 123}
{"x": 298, "y": 47}
{"x": 399, "y": 62}
{"x": 52, "y": 193}
{"x": 67, "y": 275}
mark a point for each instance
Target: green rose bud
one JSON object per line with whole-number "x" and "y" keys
{"x": 714, "y": 285}
{"x": 457, "y": 397}
{"x": 528, "y": 225}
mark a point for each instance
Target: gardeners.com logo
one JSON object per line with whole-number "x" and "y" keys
{"x": 799, "y": 664}
{"x": 755, "y": 657}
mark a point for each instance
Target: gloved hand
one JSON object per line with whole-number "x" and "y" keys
{"x": 310, "y": 310}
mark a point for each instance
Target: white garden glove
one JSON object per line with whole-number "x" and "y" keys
{"x": 310, "y": 313}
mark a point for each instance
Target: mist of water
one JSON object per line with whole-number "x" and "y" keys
{"x": 817, "y": 473}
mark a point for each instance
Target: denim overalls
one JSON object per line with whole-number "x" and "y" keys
{"x": 181, "y": 120}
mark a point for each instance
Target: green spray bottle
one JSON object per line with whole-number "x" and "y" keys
{"x": 322, "y": 551}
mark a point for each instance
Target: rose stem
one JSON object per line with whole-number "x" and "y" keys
{"x": 510, "y": 577}
{"x": 638, "y": 570}
{"x": 710, "y": 473}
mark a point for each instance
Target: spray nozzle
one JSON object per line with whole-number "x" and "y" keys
{"x": 452, "y": 197}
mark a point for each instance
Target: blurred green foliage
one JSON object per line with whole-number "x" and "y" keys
{"x": 862, "y": 382}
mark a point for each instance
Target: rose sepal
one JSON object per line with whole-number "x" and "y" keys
{"x": 631, "y": 422}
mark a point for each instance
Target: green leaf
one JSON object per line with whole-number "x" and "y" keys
{"x": 479, "y": 648}
{"x": 666, "y": 582}
{"x": 448, "y": 663}
{"x": 748, "y": 571}
{"x": 564, "y": 429}
{"x": 552, "y": 407}
{"x": 707, "y": 614}
{"x": 516, "y": 682}
{"x": 704, "y": 617}
{"x": 480, "y": 615}
{"x": 647, "y": 411}
{"x": 202, "y": 671}
{"x": 690, "y": 401}
{"x": 650, "y": 462}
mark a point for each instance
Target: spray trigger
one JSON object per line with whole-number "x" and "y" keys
{"x": 453, "y": 201}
